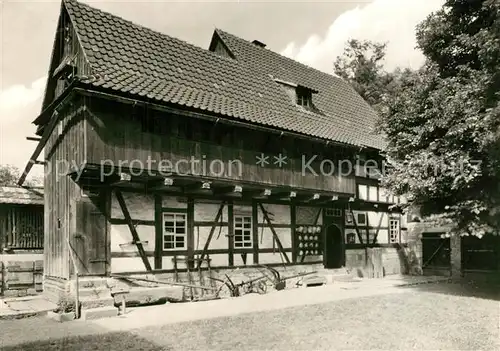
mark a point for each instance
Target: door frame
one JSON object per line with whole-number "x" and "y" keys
{"x": 342, "y": 250}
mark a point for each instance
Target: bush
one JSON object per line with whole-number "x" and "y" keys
{"x": 65, "y": 305}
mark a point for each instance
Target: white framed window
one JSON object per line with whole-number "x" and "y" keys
{"x": 333, "y": 212}
{"x": 363, "y": 192}
{"x": 394, "y": 231}
{"x": 242, "y": 231}
{"x": 372, "y": 194}
{"x": 174, "y": 231}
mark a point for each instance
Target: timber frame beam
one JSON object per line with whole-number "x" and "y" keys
{"x": 133, "y": 230}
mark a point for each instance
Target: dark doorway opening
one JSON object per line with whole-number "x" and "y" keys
{"x": 334, "y": 247}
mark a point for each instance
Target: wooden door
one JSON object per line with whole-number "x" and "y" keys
{"x": 91, "y": 239}
{"x": 334, "y": 247}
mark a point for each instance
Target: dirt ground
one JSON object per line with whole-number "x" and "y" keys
{"x": 432, "y": 316}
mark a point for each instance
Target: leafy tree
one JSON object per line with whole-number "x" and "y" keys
{"x": 362, "y": 65}
{"x": 443, "y": 125}
{"x": 9, "y": 175}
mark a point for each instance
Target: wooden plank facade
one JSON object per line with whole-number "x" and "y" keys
{"x": 137, "y": 185}
{"x": 21, "y": 219}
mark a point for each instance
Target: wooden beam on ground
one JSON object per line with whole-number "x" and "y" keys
{"x": 118, "y": 276}
{"x": 275, "y": 235}
{"x": 211, "y": 234}
{"x": 133, "y": 231}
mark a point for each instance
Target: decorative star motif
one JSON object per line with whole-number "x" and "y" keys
{"x": 280, "y": 160}
{"x": 262, "y": 160}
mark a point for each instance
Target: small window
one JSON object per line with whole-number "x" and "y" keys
{"x": 242, "y": 231}
{"x": 361, "y": 219}
{"x": 333, "y": 212}
{"x": 304, "y": 97}
{"x": 174, "y": 231}
{"x": 351, "y": 238}
{"x": 394, "y": 231}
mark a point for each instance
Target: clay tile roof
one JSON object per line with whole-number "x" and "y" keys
{"x": 132, "y": 59}
{"x": 18, "y": 195}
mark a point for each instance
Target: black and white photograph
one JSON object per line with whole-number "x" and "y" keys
{"x": 249, "y": 175}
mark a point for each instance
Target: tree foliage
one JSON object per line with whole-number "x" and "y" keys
{"x": 9, "y": 175}
{"x": 362, "y": 65}
{"x": 443, "y": 125}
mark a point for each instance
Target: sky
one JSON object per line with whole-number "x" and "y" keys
{"x": 311, "y": 32}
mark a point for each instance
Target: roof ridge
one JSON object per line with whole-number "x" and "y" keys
{"x": 143, "y": 27}
{"x": 278, "y": 54}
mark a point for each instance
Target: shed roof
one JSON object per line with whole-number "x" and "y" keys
{"x": 21, "y": 195}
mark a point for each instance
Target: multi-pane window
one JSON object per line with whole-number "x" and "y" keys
{"x": 304, "y": 97}
{"x": 333, "y": 212}
{"x": 394, "y": 231}
{"x": 242, "y": 231}
{"x": 174, "y": 231}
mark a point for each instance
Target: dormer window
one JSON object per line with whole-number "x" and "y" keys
{"x": 299, "y": 94}
{"x": 304, "y": 97}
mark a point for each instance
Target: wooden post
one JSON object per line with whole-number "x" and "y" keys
{"x": 158, "y": 232}
{"x": 293, "y": 219}
{"x": 230, "y": 234}
{"x": 190, "y": 233}
{"x": 255, "y": 231}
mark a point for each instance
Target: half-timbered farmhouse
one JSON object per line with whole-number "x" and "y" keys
{"x": 163, "y": 157}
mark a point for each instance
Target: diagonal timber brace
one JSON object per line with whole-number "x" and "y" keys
{"x": 356, "y": 227}
{"x": 278, "y": 242}
{"x": 211, "y": 234}
{"x": 378, "y": 228}
{"x": 133, "y": 230}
